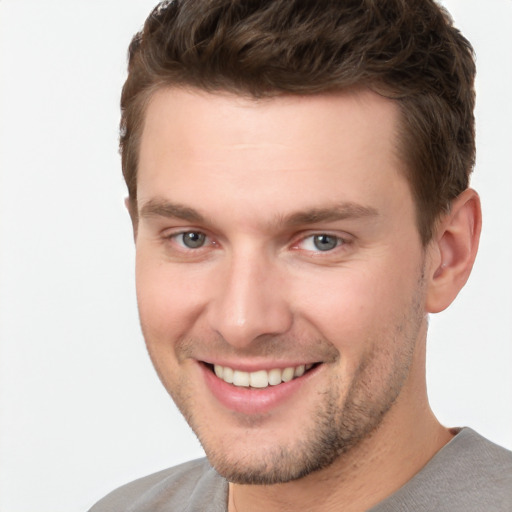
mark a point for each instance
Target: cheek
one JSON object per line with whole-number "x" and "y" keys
{"x": 168, "y": 299}
{"x": 353, "y": 308}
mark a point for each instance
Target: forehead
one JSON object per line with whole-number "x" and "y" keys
{"x": 268, "y": 153}
{"x": 224, "y": 118}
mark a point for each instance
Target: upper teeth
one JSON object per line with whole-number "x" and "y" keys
{"x": 261, "y": 378}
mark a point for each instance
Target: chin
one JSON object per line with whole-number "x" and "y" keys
{"x": 257, "y": 456}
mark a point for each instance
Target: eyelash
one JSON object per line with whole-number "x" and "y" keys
{"x": 208, "y": 242}
{"x": 175, "y": 237}
{"x": 339, "y": 242}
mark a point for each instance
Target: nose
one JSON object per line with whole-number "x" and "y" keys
{"x": 249, "y": 302}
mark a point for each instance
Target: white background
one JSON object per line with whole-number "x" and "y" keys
{"x": 81, "y": 410}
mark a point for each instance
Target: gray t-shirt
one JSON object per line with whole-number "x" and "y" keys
{"x": 469, "y": 474}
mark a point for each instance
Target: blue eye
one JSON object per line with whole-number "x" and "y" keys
{"x": 193, "y": 239}
{"x": 325, "y": 242}
{"x": 321, "y": 242}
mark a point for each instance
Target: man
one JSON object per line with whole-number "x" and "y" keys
{"x": 298, "y": 186}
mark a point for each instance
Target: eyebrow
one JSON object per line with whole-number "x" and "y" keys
{"x": 340, "y": 211}
{"x": 163, "y": 208}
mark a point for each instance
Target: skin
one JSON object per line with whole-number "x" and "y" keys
{"x": 259, "y": 179}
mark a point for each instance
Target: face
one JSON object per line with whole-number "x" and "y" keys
{"x": 279, "y": 274}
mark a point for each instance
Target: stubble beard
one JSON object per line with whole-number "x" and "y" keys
{"x": 335, "y": 431}
{"x": 336, "y": 428}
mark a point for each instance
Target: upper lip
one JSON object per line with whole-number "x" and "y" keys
{"x": 246, "y": 366}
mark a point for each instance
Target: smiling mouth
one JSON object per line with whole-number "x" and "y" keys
{"x": 262, "y": 378}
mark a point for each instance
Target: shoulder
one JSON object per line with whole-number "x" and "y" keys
{"x": 194, "y": 485}
{"x": 469, "y": 474}
{"x": 478, "y": 460}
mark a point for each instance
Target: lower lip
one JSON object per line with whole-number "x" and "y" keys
{"x": 253, "y": 400}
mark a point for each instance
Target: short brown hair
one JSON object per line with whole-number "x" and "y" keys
{"x": 407, "y": 50}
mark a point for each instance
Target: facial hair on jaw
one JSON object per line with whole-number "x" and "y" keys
{"x": 336, "y": 427}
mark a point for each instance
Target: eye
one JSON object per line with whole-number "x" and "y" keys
{"x": 320, "y": 242}
{"x": 191, "y": 239}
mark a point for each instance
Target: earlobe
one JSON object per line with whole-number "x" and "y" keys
{"x": 453, "y": 251}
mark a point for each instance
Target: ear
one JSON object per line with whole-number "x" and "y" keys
{"x": 453, "y": 251}
{"x": 131, "y": 206}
